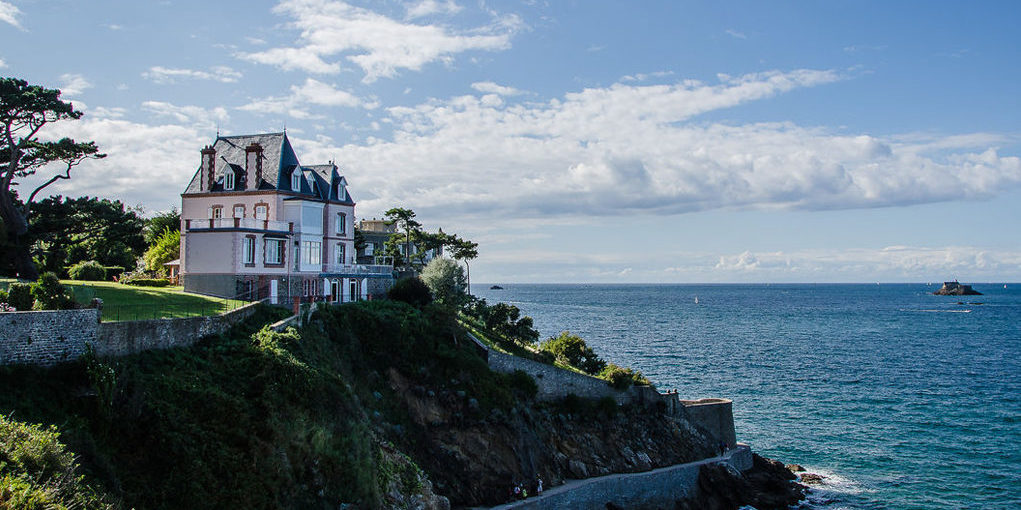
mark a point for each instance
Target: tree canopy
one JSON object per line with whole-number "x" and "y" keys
{"x": 24, "y": 111}
{"x": 64, "y": 232}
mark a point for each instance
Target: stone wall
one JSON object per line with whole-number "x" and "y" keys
{"x": 50, "y": 337}
{"x": 133, "y": 337}
{"x": 658, "y": 488}
{"x": 46, "y": 338}
{"x": 715, "y": 415}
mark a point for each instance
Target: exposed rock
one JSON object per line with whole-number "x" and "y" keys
{"x": 767, "y": 485}
{"x": 795, "y": 468}
{"x": 812, "y": 478}
{"x": 956, "y": 289}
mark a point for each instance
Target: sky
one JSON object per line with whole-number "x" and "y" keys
{"x": 579, "y": 141}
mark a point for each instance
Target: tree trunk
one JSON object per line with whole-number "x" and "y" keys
{"x": 468, "y": 275}
{"x": 16, "y": 225}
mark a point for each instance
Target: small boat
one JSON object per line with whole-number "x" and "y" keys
{"x": 696, "y": 300}
{"x": 496, "y": 287}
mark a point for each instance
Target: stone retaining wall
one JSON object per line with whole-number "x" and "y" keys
{"x": 46, "y": 338}
{"x": 49, "y": 337}
{"x": 715, "y": 415}
{"x": 133, "y": 337}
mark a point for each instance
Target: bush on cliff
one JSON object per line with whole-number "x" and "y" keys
{"x": 572, "y": 350}
{"x": 621, "y": 377}
{"x": 38, "y": 472}
{"x": 412, "y": 291}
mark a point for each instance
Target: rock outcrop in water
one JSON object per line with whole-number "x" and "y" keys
{"x": 956, "y": 289}
{"x": 768, "y": 485}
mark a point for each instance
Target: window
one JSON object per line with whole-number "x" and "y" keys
{"x": 312, "y": 252}
{"x": 261, "y": 212}
{"x": 341, "y": 223}
{"x": 239, "y": 211}
{"x": 369, "y": 248}
{"x": 216, "y": 212}
{"x": 274, "y": 251}
{"x": 296, "y": 180}
{"x": 341, "y": 193}
{"x": 228, "y": 180}
{"x": 249, "y": 250}
{"x": 341, "y": 251}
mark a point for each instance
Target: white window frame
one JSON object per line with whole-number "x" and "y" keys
{"x": 261, "y": 212}
{"x": 228, "y": 180}
{"x": 239, "y": 207}
{"x": 296, "y": 181}
{"x": 274, "y": 251}
{"x": 341, "y": 253}
{"x": 216, "y": 212}
{"x": 248, "y": 250}
{"x": 341, "y": 223}
{"x": 312, "y": 252}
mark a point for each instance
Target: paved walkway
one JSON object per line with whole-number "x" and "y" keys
{"x": 572, "y": 485}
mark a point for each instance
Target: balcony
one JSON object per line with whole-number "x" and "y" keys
{"x": 237, "y": 224}
{"x": 358, "y": 269}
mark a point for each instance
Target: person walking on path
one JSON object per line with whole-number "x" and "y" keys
{"x": 538, "y": 486}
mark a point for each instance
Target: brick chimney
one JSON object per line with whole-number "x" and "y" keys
{"x": 253, "y": 165}
{"x": 208, "y": 168}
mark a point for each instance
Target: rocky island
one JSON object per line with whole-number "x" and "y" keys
{"x": 956, "y": 289}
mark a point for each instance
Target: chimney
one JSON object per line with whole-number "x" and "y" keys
{"x": 253, "y": 165}
{"x": 208, "y": 168}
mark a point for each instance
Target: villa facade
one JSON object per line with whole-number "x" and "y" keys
{"x": 257, "y": 223}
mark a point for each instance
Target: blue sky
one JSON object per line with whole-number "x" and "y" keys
{"x": 581, "y": 141}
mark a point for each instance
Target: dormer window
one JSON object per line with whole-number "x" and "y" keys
{"x": 228, "y": 181}
{"x": 296, "y": 180}
{"x": 341, "y": 193}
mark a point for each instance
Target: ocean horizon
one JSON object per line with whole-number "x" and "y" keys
{"x": 899, "y": 398}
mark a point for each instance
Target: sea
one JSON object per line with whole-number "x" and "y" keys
{"x": 899, "y": 398}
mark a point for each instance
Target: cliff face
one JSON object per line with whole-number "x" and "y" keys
{"x": 476, "y": 461}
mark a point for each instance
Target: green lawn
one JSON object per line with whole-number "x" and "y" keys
{"x": 127, "y": 302}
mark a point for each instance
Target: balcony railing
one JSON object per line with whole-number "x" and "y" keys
{"x": 236, "y": 223}
{"x": 358, "y": 269}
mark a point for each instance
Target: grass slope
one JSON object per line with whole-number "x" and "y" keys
{"x": 127, "y": 302}
{"x": 257, "y": 419}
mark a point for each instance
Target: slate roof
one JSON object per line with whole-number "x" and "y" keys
{"x": 279, "y": 161}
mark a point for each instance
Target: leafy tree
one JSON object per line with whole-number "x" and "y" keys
{"x": 89, "y": 270}
{"x": 24, "y": 110}
{"x": 573, "y": 350}
{"x": 155, "y": 226}
{"x": 405, "y": 220}
{"x": 465, "y": 250}
{"x": 445, "y": 280}
{"x": 621, "y": 377}
{"x": 167, "y": 248}
{"x": 67, "y": 231}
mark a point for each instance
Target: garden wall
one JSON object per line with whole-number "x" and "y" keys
{"x": 49, "y": 337}
{"x": 46, "y": 338}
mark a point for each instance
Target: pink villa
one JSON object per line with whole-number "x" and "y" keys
{"x": 257, "y": 223}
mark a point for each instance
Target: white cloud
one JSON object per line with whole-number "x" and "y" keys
{"x": 73, "y": 84}
{"x": 221, "y": 74}
{"x": 429, "y": 7}
{"x": 2, "y": 63}
{"x": 311, "y": 93}
{"x": 646, "y": 76}
{"x": 9, "y": 14}
{"x": 492, "y": 88}
{"x": 192, "y": 115}
{"x": 735, "y": 34}
{"x": 629, "y": 149}
{"x": 379, "y": 45}
{"x": 114, "y": 26}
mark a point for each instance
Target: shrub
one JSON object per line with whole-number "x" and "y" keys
{"x": 621, "y": 378}
{"x": 50, "y": 294}
{"x": 522, "y": 382}
{"x": 3, "y": 296}
{"x": 147, "y": 282}
{"x": 19, "y": 295}
{"x": 572, "y": 350}
{"x": 412, "y": 291}
{"x": 89, "y": 271}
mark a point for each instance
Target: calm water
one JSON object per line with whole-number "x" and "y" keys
{"x": 903, "y": 399}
